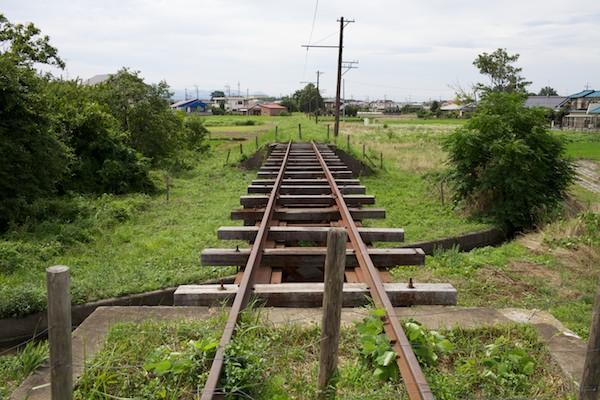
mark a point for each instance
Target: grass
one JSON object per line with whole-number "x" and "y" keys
{"x": 117, "y": 245}
{"x": 14, "y": 368}
{"x": 269, "y": 361}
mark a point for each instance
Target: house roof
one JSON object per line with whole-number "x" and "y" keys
{"x": 274, "y": 106}
{"x": 596, "y": 94}
{"x": 584, "y": 93}
{"x": 186, "y": 103}
{"x": 96, "y": 79}
{"x": 554, "y": 102}
{"x": 594, "y": 108}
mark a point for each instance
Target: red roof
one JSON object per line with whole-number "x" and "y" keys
{"x": 276, "y": 106}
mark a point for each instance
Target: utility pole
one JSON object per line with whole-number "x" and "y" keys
{"x": 338, "y": 90}
{"x": 343, "y": 24}
{"x": 317, "y": 99}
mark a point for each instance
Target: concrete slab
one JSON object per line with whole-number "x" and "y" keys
{"x": 566, "y": 348}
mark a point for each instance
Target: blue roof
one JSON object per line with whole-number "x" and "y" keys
{"x": 583, "y": 93}
{"x": 188, "y": 103}
{"x": 595, "y": 110}
{"x": 595, "y": 94}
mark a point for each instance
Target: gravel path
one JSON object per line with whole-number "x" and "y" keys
{"x": 588, "y": 175}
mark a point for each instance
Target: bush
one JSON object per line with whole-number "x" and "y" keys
{"x": 505, "y": 163}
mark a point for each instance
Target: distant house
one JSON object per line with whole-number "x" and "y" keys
{"x": 553, "y": 102}
{"x": 254, "y": 109}
{"x": 585, "y": 111}
{"x": 461, "y": 109}
{"x": 190, "y": 106}
{"x": 271, "y": 110}
{"x": 96, "y": 79}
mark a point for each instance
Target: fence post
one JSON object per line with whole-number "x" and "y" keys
{"x": 256, "y": 141}
{"x": 327, "y": 131}
{"x": 590, "y": 381}
{"x": 348, "y": 139}
{"x": 228, "y": 153}
{"x": 364, "y": 150}
{"x": 241, "y": 149}
{"x": 381, "y": 160}
{"x": 59, "y": 332}
{"x": 335, "y": 263}
{"x": 276, "y": 131}
{"x": 299, "y": 132}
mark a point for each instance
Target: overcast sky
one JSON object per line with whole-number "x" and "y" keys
{"x": 406, "y": 50}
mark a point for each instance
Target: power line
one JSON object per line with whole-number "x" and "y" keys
{"x": 310, "y": 37}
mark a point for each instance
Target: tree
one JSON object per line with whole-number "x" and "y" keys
{"x": 547, "y": 91}
{"x": 143, "y": 113}
{"x": 504, "y": 77}
{"x": 504, "y": 162}
{"x": 217, "y": 93}
{"x": 32, "y": 159}
{"x": 308, "y": 99}
{"x": 350, "y": 110}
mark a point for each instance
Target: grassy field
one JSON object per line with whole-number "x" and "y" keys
{"x": 117, "y": 245}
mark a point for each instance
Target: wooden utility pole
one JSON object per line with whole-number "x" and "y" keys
{"x": 340, "y": 47}
{"x": 317, "y": 108}
{"x": 59, "y": 332}
{"x": 590, "y": 381}
{"x": 335, "y": 263}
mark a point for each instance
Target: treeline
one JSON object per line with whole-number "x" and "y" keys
{"x": 62, "y": 136}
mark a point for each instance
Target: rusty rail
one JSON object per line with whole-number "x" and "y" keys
{"x": 243, "y": 295}
{"x": 411, "y": 372}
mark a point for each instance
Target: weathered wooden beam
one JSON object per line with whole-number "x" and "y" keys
{"x": 295, "y": 257}
{"x": 304, "y": 174}
{"x": 287, "y": 200}
{"x": 312, "y": 189}
{"x": 292, "y": 168}
{"x": 311, "y": 294}
{"x": 305, "y": 182}
{"x": 317, "y": 234}
{"x": 308, "y": 214}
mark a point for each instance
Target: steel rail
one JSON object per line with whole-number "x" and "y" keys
{"x": 243, "y": 294}
{"x": 410, "y": 370}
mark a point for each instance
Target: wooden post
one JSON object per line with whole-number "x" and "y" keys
{"x": 364, "y": 150}
{"x": 299, "y": 132}
{"x": 228, "y": 153}
{"x": 276, "y": 132}
{"x": 168, "y": 184}
{"x": 241, "y": 149}
{"x": 442, "y": 191}
{"x": 590, "y": 381}
{"x": 335, "y": 263}
{"x": 327, "y": 131}
{"x": 256, "y": 141}
{"x": 59, "y": 332}
{"x": 348, "y": 142}
{"x": 381, "y": 160}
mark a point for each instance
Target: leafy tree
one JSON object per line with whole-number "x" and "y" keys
{"x": 143, "y": 113}
{"x": 101, "y": 161}
{"x": 504, "y": 162}
{"x": 290, "y": 103}
{"x": 547, "y": 91}
{"x": 504, "y": 76}
{"x": 32, "y": 159}
{"x": 351, "y": 110}
{"x": 308, "y": 99}
{"x": 217, "y": 93}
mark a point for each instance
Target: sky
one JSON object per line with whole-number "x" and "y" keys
{"x": 406, "y": 50}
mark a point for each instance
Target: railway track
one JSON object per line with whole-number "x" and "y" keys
{"x": 303, "y": 190}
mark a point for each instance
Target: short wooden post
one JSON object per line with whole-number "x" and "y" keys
{"x": 168, "y": 186}
{"x": 276, "y": 132}
{"x": 381, "y": 160}
{"x": 256, "y": 141}
{"x": 241, "y": 149}
{"x": 228, "y": 153}
{"x": 590, "y": 381}
{"x": 327, "y": 131}
{"x": 335, "y": 263}
{"x": 364, "y": 150}
{"x": 299, "y": 131}
{"x": 59, "y": 332}
{"x": 348, "y": 140}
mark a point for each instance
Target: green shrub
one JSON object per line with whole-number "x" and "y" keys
{"x": 504, "y": 163}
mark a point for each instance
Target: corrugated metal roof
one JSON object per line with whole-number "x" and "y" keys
{"x": 583, "y": 93}
{"x": 553, "y": 102}
{"x": 596, "y": 94}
